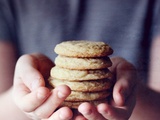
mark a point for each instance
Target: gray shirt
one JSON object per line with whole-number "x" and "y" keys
{"x": 128, "y": 26}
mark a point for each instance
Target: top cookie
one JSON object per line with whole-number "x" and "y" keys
{"x": 83, "y": 49}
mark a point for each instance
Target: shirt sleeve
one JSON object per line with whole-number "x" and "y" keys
{"x": 6, "y": 22}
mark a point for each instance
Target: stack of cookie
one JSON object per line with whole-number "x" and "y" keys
{"x": 83, "y": 66}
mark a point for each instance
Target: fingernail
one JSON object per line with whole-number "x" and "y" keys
{"x": 61, "y": 95}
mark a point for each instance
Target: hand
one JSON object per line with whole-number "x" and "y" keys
{"x": 123, "y": 102}
{"x": 30, "y": 93}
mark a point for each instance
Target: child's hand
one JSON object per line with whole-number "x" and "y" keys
{"x": 38, "y": 102}
{"x": 30, "y": 93}
{"x": 123, "y": 101}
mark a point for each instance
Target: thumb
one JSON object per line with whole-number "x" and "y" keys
{"x": 120, "y": 93}
{"x": 126, "y": 77}
{"x": 43, "y": 64}
{"x": 28, "y": 71}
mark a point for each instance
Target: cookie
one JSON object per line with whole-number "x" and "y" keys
{"x": 83, "y": 66}
{"x": 79, "y": 75}
{"x": 83, "y": 49}
{"x": 85, "y": 86}
{"x": 77, "y": 103}
{"x": 87, "y": 96}
{"x": 82, "y": 63}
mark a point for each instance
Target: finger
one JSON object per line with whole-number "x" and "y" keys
{"x": 125, "y": 80}
{"x": 122, "y": 91}
{"x": 63, "y": 113}
{"x": 89, "y": 112}
{"x": 26, "y": 72}
{"x": 32, "y": 70}
{"x": 30, "y": 98}
{"x": 56, "y": 98}
{"x": 77, "y": 115}
{"x": 111, "y": 113}
{"x": 115, "y": 112}
{"x": 30, "y": 101}
{"x": 44, "y": 64}
{"x": 28, "y": 78}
